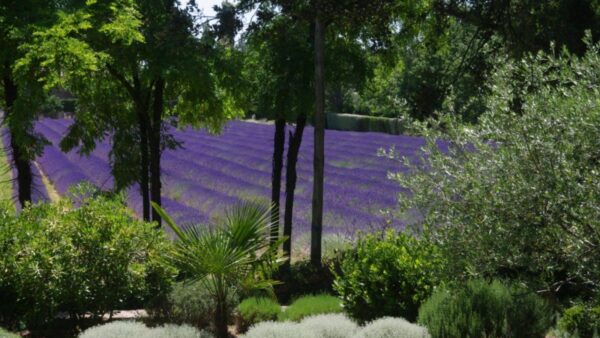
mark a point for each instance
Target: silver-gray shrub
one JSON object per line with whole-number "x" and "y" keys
{"x": 389, "y": 327}
{"x": 128, "y": 329}
{"x": 278, "y": 330}
{"x": 329, "y": 326}
{"x": 517, "y": 194}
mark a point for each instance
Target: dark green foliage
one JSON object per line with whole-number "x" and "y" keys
{"x": 303, "y": 278}
{"x": 255, "y": 310}
{"x": 387, "y": 274}
{"x": 482, "y": 309}
{"x": 311, "y": 305}
{"x": 581, "y": 320}
{"x": 189, "y": 303}
{"x": 85, "y": 254}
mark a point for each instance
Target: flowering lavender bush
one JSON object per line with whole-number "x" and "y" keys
{"x": 212, "y": 172}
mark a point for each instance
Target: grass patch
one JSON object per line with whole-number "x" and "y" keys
{"x": 6, "y": 188}
{"x": 310, "y": 306}
{"x": 255, "y": 310}
{"x": 6, "y": 334}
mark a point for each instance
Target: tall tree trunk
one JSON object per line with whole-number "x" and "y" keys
{"x": 144, "y": 177}
{"x": 155, "y": 151}
{"x": 291, "y": 176}
{"x": 278, "y": 148}
{"x": 19, "y": 157}
{"x": 319, "y": 144}
{"x": 221, "y": 319}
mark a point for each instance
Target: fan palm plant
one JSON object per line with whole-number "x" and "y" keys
{"x": 235, "y": 255}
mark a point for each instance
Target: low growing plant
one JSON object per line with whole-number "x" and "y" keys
{"x": 482, "y": 309}
{"x": 389, "y": 327}
{"x": 581, "y": 320}
{"x": 310, "y": 306}
{"x": 134, "y": 329}
{"x": 387, "y": 274}
{"x": 255, "y": 310}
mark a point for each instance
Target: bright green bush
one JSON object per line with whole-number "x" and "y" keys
{"x": 134, "y": 329}
{"x": 85, "y": 254}
{"x": 6, "y": 334}
{"x": 482, "y": 309}
{"x": 255, "y": 310}
{"x": 389, "y": 327}
{"x": 581, "y": 320}
{"x": 310, "y": 306}
{"x": 387, "y": 274}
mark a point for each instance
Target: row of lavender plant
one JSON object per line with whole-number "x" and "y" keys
{"x": 213, "y": 172}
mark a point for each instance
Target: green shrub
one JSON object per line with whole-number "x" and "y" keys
{"x": 581, "y": 320}
{"x": 189, "y": 303}
{"x": 134, "y": 329}
{"x": 255, "y": 310}
{"x": 6, "y": 334}
{"x": 481, "y": 309}
{"x": 389, "y": 327}
{"x": 310, "y": 306}
{"x": 85, "y": 254}
{"x": 304, "y": 278}
{"x": 387, "y": 274}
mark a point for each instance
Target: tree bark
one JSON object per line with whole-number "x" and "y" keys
{"x": 319, "y": 145}
{"x": 291, "y": 176}
{"x": 278, "y": 149}
{"x": 221, "y": 319}
{"x": 144, "y": 177}
{"x": 19, "y": 157}
{"x": 155, "y": 151}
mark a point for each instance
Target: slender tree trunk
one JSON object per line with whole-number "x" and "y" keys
{"x": 319, "y": 144}
{"x": 291, "y": 176}
{"x": 278, "y": 148}
{"x": 221, "y": 319}
{"x": 144, "y": 161}
{"x": 19, "y": 157}
{"x": 155, "y": 151}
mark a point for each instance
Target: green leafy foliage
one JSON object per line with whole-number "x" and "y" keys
{"x": 189, "y": 303}
{"x": 134, "y": 329}
{"x": 235, "y": 255}
{"x": 6, "y": 334}
{"x": 482, "y": 309}
{"x": 515, "y": 196}
{"x": 255, "y": 310}
{"x": 581, "y": 320}
{"x": 85, "y": 254}
{"x": 310, "y": 306}
{"x": 303, "y": 278}
{"x": 389, "y": 327}
{"x": 387, "y": 274}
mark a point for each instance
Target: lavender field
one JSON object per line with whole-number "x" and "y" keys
{"x": 211, "y": 173}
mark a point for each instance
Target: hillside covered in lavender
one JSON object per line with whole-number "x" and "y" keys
{"x": 213, "y": 172}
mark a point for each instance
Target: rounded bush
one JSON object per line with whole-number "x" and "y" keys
{"x": 129, "y": 329}
{"x": 581, "y": 320}
{"x": 387, "y": 274}
{"x": 389, "y": 327}
{"x": 483, "y": 309}
{"x": 330, "y": 326}
{"x": 255, "y": 310}
{"x": 311, "y": 305}
{"x": 85, "y": 254}
{"x": 277, "y": 330}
